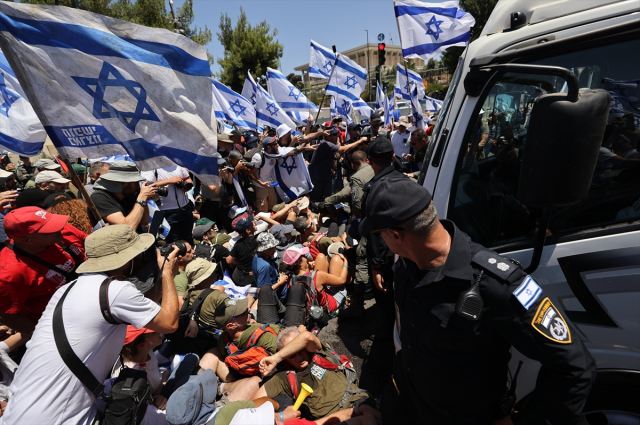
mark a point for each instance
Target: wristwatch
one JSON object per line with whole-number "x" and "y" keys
{"x": 142, "y": 203}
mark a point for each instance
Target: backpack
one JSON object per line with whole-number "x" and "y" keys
{"x": 249, "y": 155}
{"x": 129, "y": 397}
{"x": 247, "y": 361}
{"x": 192, "y": 310}
{"x": 310, "y": 291}
{"x": 127, "y": 402}
{"x": 340, "y": 364}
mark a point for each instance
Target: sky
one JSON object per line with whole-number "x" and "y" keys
{"x": 328, "y": 22}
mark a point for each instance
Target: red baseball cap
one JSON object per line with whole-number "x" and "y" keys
{"x": 133, "y": 333}
{"x": 25, "y": 221}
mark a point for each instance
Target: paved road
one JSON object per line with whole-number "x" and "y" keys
{"x": 360, "y": 339}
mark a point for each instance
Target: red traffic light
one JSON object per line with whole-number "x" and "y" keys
{"x": 381, "y": 46}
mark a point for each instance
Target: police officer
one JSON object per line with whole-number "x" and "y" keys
{"x": 452, "y": 365}
{"x": 374, "y": 127}
{"x": 380, "y": 258}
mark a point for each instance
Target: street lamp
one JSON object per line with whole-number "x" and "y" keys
{"x": 368, "y": 80}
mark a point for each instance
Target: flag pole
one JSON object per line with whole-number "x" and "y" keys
{"x": 76, "y": 182}
{"x": 327, "y": 86}
{"x": 256, "y": 105}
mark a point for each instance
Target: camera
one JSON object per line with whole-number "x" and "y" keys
{"x": 186, "y": 186}
{"x": 168, "y": 249}
{"x": 162, "y": 190}
{"x": 249, "y": 165}
{"x": 229, "y": 169}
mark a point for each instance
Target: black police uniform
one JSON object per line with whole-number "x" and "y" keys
{"x": 452, "y": 370}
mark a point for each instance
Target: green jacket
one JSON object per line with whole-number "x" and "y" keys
{"x": 352, "y": 193}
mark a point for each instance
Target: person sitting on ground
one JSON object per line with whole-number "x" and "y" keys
{"x": 44, "y": 255}
{"x": 265, "y": 272}
{"x": 305, "y": 287}
{"x": 284, "y": 213}
{"x": 231, "y": 363}
{"x": 241, "y": 256}
{"x": 120, "y": 199}
{"x": 76, "y": 209}
{"x": 334, "y": 398}
{"x": 52, "y": 182}
{"x": 181, "y": 280}
{"x": 43, "y": 379}
{"x": 286, "y": 237}
{"x": 305, "y": 226}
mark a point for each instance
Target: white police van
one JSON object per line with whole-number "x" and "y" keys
{"x": 588, "y": 259}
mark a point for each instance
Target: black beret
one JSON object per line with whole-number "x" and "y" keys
{"x": 32, "y": 198}
{"x": 379, "y": 147}
{"x": 392, "y": 201}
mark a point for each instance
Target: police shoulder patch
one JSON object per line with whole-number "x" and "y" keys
{"x": 499, "y": 266}
{"x": 550, "y": 323}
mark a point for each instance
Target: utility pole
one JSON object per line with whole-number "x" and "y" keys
{"x": 368, "y": 79}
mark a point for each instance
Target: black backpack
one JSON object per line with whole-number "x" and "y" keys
{"x": 249, "y": 155}
{"x": 127, "y": 402}
{"x": 129, "y": 397}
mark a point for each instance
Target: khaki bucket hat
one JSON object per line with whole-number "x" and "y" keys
{"x": 112, "y": 247}
{"x": 198, "y": 270}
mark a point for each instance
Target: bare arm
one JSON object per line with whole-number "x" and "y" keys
{"x": 139, "y": 214}
{"x": 15, "y": 341}
{"x": 347, "y": 148}
{"x": 268, "y": 220}
{"x": 166, "y": 321}
{"x": 285, "y": 211}
{"x": 305, "y": 341}
{"x": 326, "y": 279}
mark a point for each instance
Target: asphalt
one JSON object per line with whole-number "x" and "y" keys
{"x": 366, "y": 343}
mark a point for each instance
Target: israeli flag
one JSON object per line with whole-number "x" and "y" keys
{"x": 321, "y": 61}
{"x": 418, "y": 116}
{"x": 165, "y": 228}
{"x": 20, "y": 128}
{"x": 269, "y": 112}
{"x": 236, "y": 184}
{"x": 103, "y": 87}
{"x": 333, "y": 109}
{"x": 380, "y": 97}
{"x": 528, "y": 292}
{"x": 291, "y": 174}
{"x": 292, "y": 101}
{"x": 432, "y": 105}
{"x": 401, "y": 87}
{"x": 362, "y": 107}
{"x": 348, "y": 79}
{"x": 426, "y": 29}
{"x": 343, "y": 108}
{"x": 389, "y": 106}
{"x": 230, "y": 106}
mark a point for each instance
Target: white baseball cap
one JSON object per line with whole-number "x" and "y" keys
{"x": 50, "y": 176}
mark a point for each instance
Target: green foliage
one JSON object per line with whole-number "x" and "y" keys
{"x": 150, "y": 13}
{"x": 246, "y": 47}
{"x": 296, "y": 80}
{"x": 433, "y": 64}
{"x": 480, "y": 10}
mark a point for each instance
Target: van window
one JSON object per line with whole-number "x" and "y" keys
{"x": 486, "y": 202}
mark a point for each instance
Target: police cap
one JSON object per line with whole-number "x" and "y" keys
{"x": 392, "y": 201}
{"x": 380, "y": 147}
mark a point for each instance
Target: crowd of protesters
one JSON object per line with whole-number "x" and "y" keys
{"x": 223, "y": 308}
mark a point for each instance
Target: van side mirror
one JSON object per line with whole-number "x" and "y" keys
{"x": 562, "y": 147}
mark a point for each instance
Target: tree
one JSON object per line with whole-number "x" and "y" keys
{"x": 246, "y": 47}
{"x": 480, "y": 10}
{"x": 433, "y": 64}
{"x": 296, "y": 80}
{"x": 150, "y": 13}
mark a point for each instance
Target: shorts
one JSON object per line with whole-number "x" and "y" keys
{"x": 266, "y": 198}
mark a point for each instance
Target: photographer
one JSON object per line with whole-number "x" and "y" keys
{"x": 177, "y": 208}
{"x": 120, "y": 199}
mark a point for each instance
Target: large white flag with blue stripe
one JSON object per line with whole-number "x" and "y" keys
{"x": 416, "y": 109}
{"x": 291, "y": 174}
{"x": 380, "y": 96}
{"x": 269, "y": 112}
{"x": 432, "y": 105}
{"x": 20, "y": 128}
{"x": 321, "y": 61}
{"x": 362, "y": 107}
{"x": 342, "y": 107}
{"x": 426, "y": 29}
{"x": 401, "y": 88}
{"x": 101, "y": 86}
{"x": 290, "y": 98}
{"x": 230, "y": 106}
{"x": 348, "y": 79}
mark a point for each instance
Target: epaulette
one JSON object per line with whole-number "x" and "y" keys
{"x": 496, "y": 264}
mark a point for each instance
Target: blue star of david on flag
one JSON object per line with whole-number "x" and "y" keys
{"x": 240, "y": 110}
{"x": 272, "y": 108}
{"x": 7, "y": 96}
{"x": 328, "y": 66}
{"x": 289, "y": 167}
{"x": 351, "y": 82}
{"x": 96, "y": 87}
{"x": 292, "y": 92}
{"x": 417, "y": 117}
{"x": 430, "y": 31}
{"x": 253, "y": 99}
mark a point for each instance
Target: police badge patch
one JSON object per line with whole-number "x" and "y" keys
{"x": 550, "y": 323}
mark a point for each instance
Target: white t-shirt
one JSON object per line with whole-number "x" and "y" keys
{"x": 401, "y": 142}
{"x": 44, "y": 389}
{"x": 264, "y": 173}
{"x": 169, "y": 202}
{"x": 8, "y": 369}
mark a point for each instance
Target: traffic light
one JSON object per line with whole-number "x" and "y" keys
{"x": 381, "y": 54}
